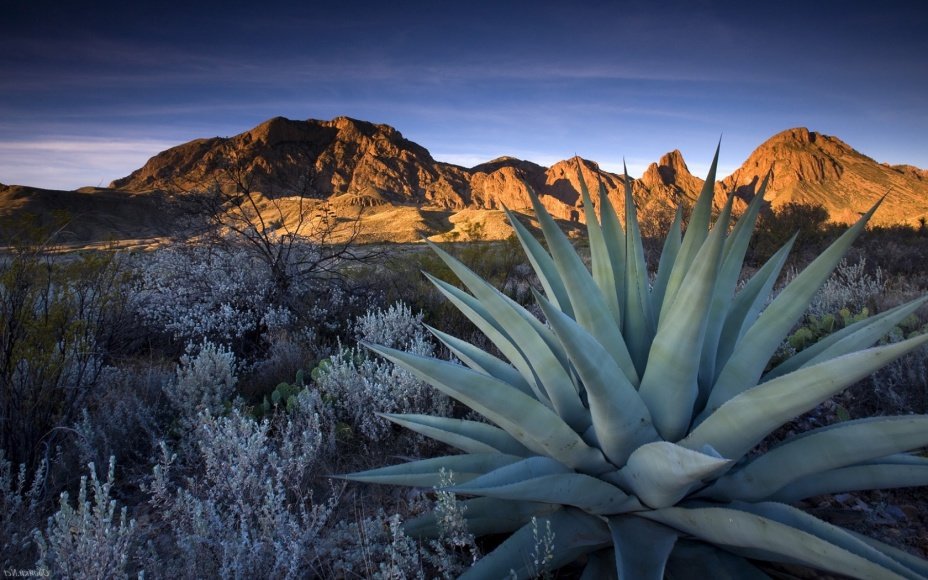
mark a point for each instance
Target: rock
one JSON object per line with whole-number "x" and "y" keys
{"x": 812, "y": 168}
{"x": 371, "y": 165}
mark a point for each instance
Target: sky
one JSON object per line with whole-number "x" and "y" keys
{"x": 90, "y": 90}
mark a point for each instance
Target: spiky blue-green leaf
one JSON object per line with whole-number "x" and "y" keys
{"x": 697, "y": 230}
{"x": 698, "y": 561}
{"x": 642, "y": 547}
{"x": 483, "y": 515}
{"x": 533, "y": 480}
{"x": 621, "y": 420}
{"x": 600, "y": 566}
{"x": 426, "y": 472}
{"x": 468, "y": 436}
{"x": 576, "y": 533}
{"x": 585, "y": 298}
{"x": 834, "y": 535}
{"x": 524, "y": 342}
{"x": 614, "y": 238}
{"x": 669, "y": 386}
{"x": 481, "y": 360}
{"x": 854, "y": 478}
{"x": 748, "y": 304}
{"x": 476, "y": 313}
{"x": 736, "y": 246}
{"x": 528, "y": 421}
{"x": 747, "y": 362}
{"x": 726, "y": 526}
{"x": 745, "y": 420}
{"x": 668, "y": 258}
{"x": 851, "y": 338}
{"x": 603, "y": 274}
{"x": 542, "y": 264}
{"x": 821, "y": 450}
{"x": 638, "y": 322}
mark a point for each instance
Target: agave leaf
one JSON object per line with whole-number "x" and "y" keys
{"x": 528, "y": 421}
{"x": 603, "y": 274}
{"x": 575, "y": 534}
{"x": 476, "y": 313}
{"x": 468, "y": 436}
{"x": 542, "y": 264}
{"x": 621, "y": 420}
{"x": 638, "y": 322}
{"x": 698, "y": 561}
{"x": 662, "y": 473}
{"x": 480, "y": 360}
{"x": 585, "y": 298}
{"x": 749, "y": 302}
{"x": 669, "y": 385}
{"x": 502, "y": 307}
{"x": 738, "y": 528}
{"x": 526, "y": 468}
{"x": 614, "y": 238}
{"x": 821, "y": 450}
{"x": 854, "y": 478}
{"x": 745, "y": 420}
{"x": 534, "y": 358}
{"x": 834, "y": 535}
{"x": 851, "y": 338}
{"x": 426, "y": 472}
{"x": 736, "y": 246}
{"x": 697, "y": 230}
{"x": 600, "y": 566}
{"x": 516, "y": 482}
{"x": 914, "y": 563}
{"x": 483, "y": 515}
{"x": 641, "y": 547}
{"x": 667, "y": 260}
{"x": 747, "y": 362}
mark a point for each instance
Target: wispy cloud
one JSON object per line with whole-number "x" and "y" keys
{"x": 72, "y": 163}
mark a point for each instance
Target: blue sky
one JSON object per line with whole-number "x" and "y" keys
{"x": 89, "y": 91}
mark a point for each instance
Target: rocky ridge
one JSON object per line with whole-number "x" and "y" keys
{"x": 375, "y": 162}
{"x": 407, "y": 193}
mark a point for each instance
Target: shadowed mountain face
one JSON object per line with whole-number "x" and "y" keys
{"x": 354, "y": 162}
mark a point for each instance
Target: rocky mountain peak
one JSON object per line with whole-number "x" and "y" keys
{"x": 670, "y": 169}
{"x": 350, "y": 157}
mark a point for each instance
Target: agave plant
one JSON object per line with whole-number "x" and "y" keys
{"x": 630, "y": 422}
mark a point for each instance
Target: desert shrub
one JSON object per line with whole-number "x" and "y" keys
{"x": 124, "y": 418}
{"x": 248, "y": 511}
{"x": 376, "y": 546}
{"x": 899, "y": 250}
{"x": 809, "y": 222}
{"x": 850, "y": 286}
{"x": 61, "y": 318}
{"x": 358, "y": 385}
{"x": 902, "y": 386}
{"x": 205, "y": 381}
{"x": 371, "y": 547}
{"x": 22, "y": 496}
{"x": 225, "y": 294}
{"x": 89, "y": 539}
{"x": 287, "y": 354}
{"x": 401, "y": 279}
{"x": 197, "y": 292}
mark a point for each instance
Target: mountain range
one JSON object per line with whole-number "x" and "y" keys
{"x": 405, "y": 193}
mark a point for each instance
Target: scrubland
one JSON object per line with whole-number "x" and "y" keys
{"x": 180, "y": 412}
